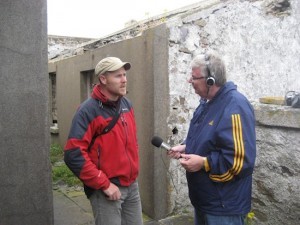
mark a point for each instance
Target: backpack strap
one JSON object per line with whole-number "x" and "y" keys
{"x": 111, "y": 124}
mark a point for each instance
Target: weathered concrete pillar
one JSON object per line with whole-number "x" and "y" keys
{"x": 25, "y": 172}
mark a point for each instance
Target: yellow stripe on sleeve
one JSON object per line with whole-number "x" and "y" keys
{"x": 239, "y": 151}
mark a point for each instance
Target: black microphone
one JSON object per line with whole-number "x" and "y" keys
{"x": 158, "y": 142}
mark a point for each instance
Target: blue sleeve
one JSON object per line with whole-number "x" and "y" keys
{"x": 235, "y": 151}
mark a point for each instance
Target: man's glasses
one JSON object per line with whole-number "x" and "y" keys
{"x": 197, "y": 78}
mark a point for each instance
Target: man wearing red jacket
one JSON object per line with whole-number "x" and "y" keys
{"x": 107, "y": 163}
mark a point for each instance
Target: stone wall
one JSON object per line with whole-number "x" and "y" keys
{"x": 61, "y": 45}
{"x": 276, "y": 185}
{"x": 259, "y": 48}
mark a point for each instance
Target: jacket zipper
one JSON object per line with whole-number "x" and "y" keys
{"x": 98, "y": 154}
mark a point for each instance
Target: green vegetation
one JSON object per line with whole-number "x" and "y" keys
{"x": 60, "y": 172}
{"x": 56, "y": 153}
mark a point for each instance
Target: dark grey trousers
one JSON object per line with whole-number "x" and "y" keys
{"x": 126, "y": 211}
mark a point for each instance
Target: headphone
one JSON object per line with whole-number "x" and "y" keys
{"x": 210, "y": 80}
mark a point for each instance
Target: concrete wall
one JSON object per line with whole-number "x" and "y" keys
{"x": 25, "y": 172}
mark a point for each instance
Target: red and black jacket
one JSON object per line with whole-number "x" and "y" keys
{"x": 97, "y": 159}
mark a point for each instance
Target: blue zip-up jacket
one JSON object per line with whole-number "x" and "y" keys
{"x": 223, "y": 130}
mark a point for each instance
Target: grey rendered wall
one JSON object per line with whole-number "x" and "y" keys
{"x": 148, "y": 91}
{"x": 25, "y": 172}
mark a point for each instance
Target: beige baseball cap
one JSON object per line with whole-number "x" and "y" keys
{"x": 110, "y": 64}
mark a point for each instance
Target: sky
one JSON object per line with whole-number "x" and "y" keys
{"x": 98, "y": 18}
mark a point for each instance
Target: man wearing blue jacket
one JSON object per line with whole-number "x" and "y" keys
{"x": 219, "y": 151}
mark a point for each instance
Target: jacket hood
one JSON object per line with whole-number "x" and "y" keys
{"x": 99, "y": 95}
{"x": 227, "y": 87}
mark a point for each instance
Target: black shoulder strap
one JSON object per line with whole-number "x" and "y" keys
{"x": 114, "y": 120}
{"x": 111, "y": 124}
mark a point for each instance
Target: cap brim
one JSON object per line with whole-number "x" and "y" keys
{"x": 126, "y": 66}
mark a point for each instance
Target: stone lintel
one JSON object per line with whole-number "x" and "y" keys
{"x": 277, "y": 115}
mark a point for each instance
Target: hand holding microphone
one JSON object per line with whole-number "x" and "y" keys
{"x": 173, "y": 152}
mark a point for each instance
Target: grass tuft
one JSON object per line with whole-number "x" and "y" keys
{"x": 60, "y": 172}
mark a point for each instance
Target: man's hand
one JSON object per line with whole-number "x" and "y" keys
{"x": 191, "y": 162}
{"x": 175, "y": 152}
{"x": 112, "y": 192}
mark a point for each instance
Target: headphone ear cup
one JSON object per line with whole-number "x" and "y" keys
{"x": 210, "y": 81}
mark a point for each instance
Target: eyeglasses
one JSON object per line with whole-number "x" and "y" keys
{"x": 197, "y": 78}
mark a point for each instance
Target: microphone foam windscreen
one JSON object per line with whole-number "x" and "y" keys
{"x": 157, "y": 141}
